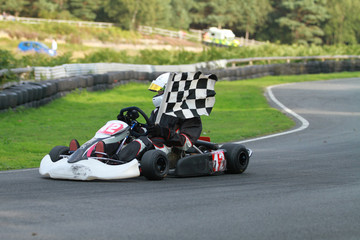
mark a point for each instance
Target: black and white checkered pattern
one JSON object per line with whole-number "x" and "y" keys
{"x": 190, "y": 94}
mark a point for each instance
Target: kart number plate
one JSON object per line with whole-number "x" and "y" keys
{"x": 111, "y": 128}
{"x": 218, "y": 159}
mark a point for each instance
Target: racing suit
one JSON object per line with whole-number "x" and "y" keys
{"x": 170, "y": 132}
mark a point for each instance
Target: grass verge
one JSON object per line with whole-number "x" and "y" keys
{"x": 241, "y": 111}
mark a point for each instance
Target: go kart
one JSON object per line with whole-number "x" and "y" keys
{"x": 203, "y": 158}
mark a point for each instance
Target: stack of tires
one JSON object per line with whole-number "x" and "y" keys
{"x": 35, "y": 94}
{"x": 28, "y": 95}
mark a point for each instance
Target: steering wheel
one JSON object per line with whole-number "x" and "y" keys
{"x": 130, "y": 114}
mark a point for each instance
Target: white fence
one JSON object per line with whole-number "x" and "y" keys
{"x": 39, "y": 20}
{"x": 193, "y": 35}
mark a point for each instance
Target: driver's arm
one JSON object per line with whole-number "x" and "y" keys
{"x": 183, "y": 137}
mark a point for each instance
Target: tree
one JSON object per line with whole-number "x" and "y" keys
{"x": 155, "y": 13}
{"x": 179, "y": 13}
{"x": 13, "y": 6}
{"x": 303, "y": 19}
{"x": 84, "y": 10}
{"x": 343, "y": 25}
{"x": 131, "y": 13}
{"x": 46, "y": 9}
{"x": 251, "y": 14}
{"x": 241, "y": 15}
{"x": 219, "y": 14}
{"x": 209, "y": 13}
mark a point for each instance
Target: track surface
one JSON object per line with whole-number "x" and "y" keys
{"x": 304, "y": 185}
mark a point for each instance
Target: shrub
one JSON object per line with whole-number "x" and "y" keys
{"x": 106, "y": 55}
{"x": 7, "y": 60}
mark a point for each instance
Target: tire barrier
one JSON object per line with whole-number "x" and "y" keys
{"x": 35, "y": 94}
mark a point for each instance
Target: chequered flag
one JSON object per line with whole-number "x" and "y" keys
{"x": 189, "y": 94}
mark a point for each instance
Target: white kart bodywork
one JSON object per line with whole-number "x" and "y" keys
{"x": 88, "y": 169}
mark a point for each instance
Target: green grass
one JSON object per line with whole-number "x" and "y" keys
{"x": 241, "y": 111}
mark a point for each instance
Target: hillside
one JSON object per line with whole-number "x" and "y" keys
{"x": 83, "y": 40}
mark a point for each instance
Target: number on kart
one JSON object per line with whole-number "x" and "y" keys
{"x": 219, "y": 162}
{"x": 111, "y": 128}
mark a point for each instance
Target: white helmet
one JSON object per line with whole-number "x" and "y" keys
{"x": 158, "y": 85}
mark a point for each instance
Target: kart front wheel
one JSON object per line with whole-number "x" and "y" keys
{"x": 237, "y": 157}
{"x": 154, "y": 165}
{"x": 57, "y": 152}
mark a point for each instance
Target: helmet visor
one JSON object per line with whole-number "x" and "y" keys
{"x": 154, "y": 87}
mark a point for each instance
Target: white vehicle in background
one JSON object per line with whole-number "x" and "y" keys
{"x": 220, "y": 37}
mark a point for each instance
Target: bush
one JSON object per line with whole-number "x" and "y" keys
{"x": 106, "y": 55}
{"x": 7, "y": 60}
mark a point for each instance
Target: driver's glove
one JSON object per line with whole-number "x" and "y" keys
{"x": 157, "y": 131}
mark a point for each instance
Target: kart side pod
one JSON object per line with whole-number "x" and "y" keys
{"x": 201, "y": 164}
{"x": 231, "y": 158}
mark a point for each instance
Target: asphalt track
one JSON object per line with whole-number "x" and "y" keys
{"x": 301, "y": 185}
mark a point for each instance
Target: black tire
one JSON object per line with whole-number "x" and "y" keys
{"x": 82, "y": 82}
{"x": 3, "y": 101}
{"x": 90, "y": 81}
{"x": 31, "y": 92}
{"x": 73, "y": 83}
{"x": 57, "y": 151}
{"x": 237, "y": 158}
{"x": 98, "y": 79}
{"x": 62, "y": 85}
{"x": 19, "y": 96}
{"x": 154, "y": 165}
{"x": 11, "y": 98}
{"x": 37, "y": 91}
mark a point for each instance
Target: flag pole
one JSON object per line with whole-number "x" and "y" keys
{"x": 163, "y": 102}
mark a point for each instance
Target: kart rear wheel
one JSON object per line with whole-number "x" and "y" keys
{"x": 154, "y": 165}
{"x": 57, "y": 151}
{"x": 237, "y": 157}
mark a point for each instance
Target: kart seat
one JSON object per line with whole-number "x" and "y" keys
{"x": 206, "y": 144}
{"x": 203, "y": 143}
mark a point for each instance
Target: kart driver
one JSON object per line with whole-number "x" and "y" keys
{"x": 170, "y": 132}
